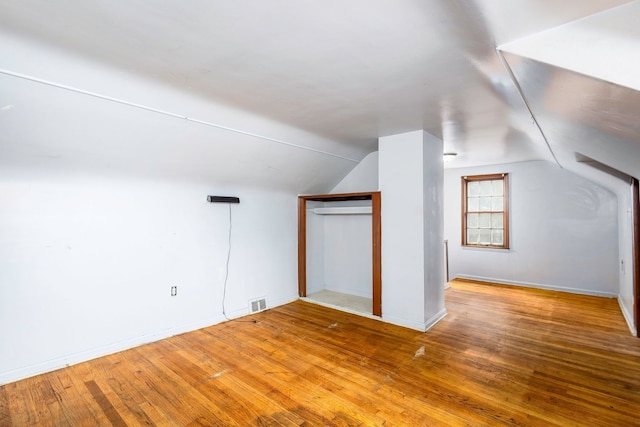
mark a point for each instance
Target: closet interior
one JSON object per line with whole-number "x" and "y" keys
{"x": 339, "y": 251}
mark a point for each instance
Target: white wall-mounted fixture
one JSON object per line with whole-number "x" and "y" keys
{"x": 449, "y": 156}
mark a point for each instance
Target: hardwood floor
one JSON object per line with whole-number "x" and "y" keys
{"x": 502, "y": 356}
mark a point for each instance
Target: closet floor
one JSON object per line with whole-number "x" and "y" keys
{"x": 342, "y": 301}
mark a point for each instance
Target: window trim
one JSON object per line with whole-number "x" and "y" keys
{"x": 505, "y": 182}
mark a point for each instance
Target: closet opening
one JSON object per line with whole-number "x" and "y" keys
{"x": 339, "y": 251}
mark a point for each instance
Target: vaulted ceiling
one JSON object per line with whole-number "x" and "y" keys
{"x": 293, "y": 93}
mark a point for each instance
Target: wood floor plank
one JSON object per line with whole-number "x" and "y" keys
{"x": 73, "y": 406}
{"x": 337, "y": 380}
{"x": 107, "y": 407}
{"x": 348, "y": 376}
{"x": 310, "y": 395}
{"x": 170, "y": 390}
{"x": 5, "y": 411}
{"x": 503, "y": 356}
{"x": 19, "y": 411}
{"x": 157, "y": 415}
{"x": 265, "y": 377}
{"x": 79, "y": 375}
{"x": 201, "y": 381}
{"x": 115, "y": 388}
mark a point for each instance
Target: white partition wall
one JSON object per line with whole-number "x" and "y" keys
{"x": 411, "y": 183}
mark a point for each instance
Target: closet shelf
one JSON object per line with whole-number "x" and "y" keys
{"x": 343, "y": 210}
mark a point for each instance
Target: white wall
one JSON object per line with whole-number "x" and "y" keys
{"x": 348, "y": 254}
{"x": 625, "y": 252}
{"x": 86, "y": 262}
{"x": 620, "y": 185}
{"x": 410, "y": 175}
{"x": 315, "y": 249}
{"x": 103, "y": 179}
{"x": 433, "y": 221}
{"x": 339, "y": 251}
{"x": 563, "y": 231}
{"x": 364, "y": 177}
{"x": 347, "y": 238}
{"x": 339, "y": 246}
{"x": 567, "y": 232}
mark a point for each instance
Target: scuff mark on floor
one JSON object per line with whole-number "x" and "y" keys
{"x": 389, "y": 377}
{"x": 333, "y": 325}
{"x": 419, "y": 352}
{"x": 302, "y": 338}
{"x": 219, "y": 374}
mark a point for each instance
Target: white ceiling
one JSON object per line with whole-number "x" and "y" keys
{"x": 342, "y": 72}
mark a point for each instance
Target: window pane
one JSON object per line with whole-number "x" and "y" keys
{"x": 485, "y": 188}
{"x": 473, "y": 188}
{"x": 497, "y": 237}
{"x": 473, "y": 236}
{"x": 472, "y": 220}
{"x": 473, "y": 204}
{"x": 485, "y": 236}
{"x": 485, "y": 203}
{"x": 497, "y": 220}
{"x": 484, "y": 220}
{"x": 497, "y": 204}
{"x": 497, "y": 187}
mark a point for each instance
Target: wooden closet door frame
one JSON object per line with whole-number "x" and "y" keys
{"x": 376, "y": 234}
{"x": 635, "y": 187}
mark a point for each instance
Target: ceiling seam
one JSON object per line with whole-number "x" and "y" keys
{"x": 169, "y": 113}
{"x": 506, "y": 65}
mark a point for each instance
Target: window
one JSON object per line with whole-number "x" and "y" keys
{"x": 485, "y": 212}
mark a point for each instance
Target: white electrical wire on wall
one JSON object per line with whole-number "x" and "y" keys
{"x": 226, "y": 271}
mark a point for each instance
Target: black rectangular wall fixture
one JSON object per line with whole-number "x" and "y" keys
{"x": 222, "y": 199}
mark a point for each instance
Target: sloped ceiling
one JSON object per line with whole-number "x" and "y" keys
{"x": 291, "y": 94}
{"x": 582, "y": 82}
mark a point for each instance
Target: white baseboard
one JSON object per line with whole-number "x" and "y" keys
{"x": 83, "y": 356}
{"x": 628, "y": 317}
{"x": 419, "y": 326}
{"x": 275, "y": 302}
{"x": 538, "y": 286}
{"x": 431, "y": 322}
{"x": 406, "y": 323}
{"x": 271, "y": 303}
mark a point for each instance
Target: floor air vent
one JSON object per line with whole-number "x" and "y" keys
{"x": 258, "y": 305}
